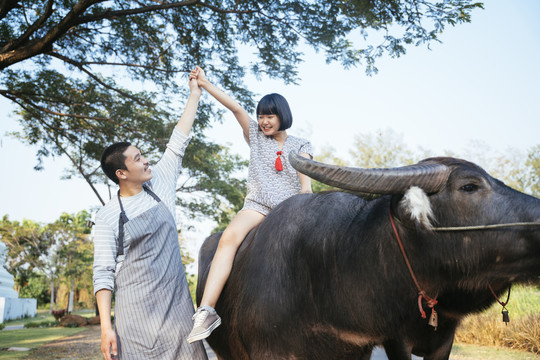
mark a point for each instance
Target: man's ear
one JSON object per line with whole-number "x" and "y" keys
{"x": 121, "y": 174}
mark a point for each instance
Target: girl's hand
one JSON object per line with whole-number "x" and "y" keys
{"x": 238, "y": 111}
{"x": 193, "y": 74}
{"x": 198, "y": 74}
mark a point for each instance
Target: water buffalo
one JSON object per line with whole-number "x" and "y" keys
{"x": 324, "y": 275}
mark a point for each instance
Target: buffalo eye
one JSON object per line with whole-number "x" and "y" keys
{"x": 469, "y": 188}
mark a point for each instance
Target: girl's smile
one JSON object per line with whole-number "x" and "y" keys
{"x": 269, "y": 124}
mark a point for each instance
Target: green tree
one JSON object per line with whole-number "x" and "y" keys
{"x": 511, "y": 169}
{"x": 27, "y": 244}
{"x": 37, "y": 288}
{"x": 533, "y": 164}
{"x": 383, "y": 149}
{"x": 88, "y": 73}
{"x": 514, "y": 167}
{"x": 60, "y": 251}
{"x": 75, "y": 252}
{"x": 326, "y": 156}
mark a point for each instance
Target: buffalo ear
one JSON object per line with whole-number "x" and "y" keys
{"x": 416, "y": 205}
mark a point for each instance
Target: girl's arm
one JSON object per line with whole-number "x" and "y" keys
{"x": 305, "y": 181}
{"x": 238, "y": 111}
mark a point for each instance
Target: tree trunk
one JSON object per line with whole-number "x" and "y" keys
{"x": 70, "y": 302}
{"x": 52, "y": 293}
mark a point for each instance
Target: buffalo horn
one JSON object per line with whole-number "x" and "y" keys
{"x": 428, "y": 176}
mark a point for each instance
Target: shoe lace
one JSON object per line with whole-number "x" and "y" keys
{"x": 199, "y": 317}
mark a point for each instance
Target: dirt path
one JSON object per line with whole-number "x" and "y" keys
{"x": 86, "y": 346}
{"x": 82, "y": 346}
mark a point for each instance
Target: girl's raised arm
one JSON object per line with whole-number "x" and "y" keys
{"x": 241, "y": 115}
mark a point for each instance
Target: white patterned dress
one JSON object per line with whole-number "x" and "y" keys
{"x": 267, "y": 187}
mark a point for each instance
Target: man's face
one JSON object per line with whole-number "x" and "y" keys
{"x": 138, "y": 170}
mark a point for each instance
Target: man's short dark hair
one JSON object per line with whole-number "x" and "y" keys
{"x": 113, "y": 159}
{"x": 275, "y": 104}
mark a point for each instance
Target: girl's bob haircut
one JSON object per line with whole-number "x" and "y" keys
{"x": 275, "y": 104}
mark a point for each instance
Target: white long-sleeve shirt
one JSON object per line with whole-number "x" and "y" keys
{"x": 163, "y": 183}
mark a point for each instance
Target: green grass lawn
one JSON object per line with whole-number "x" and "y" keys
{"x": 35, "y": 337}
{"x": 31, "y": 338}
{"x": 12, "y": 355}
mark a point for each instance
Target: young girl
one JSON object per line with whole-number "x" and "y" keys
{"x": 271, "y": 179}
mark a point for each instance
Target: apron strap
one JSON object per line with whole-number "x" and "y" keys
{"x": 124, "y": 219}
{"x": 121, "y": 221}
{"x": 151, "y": 193}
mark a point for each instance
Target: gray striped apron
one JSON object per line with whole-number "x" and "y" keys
{"x": 153, "y": 306}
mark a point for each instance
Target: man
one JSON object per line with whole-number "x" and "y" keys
{"x": 136, "y": 253}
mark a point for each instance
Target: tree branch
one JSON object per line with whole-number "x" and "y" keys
{"x": 14, "y": 97}
{"x": 163, "y": 6}
{"x": 45, "y": 43}
{"x": 223, "y": 11}
{"x": 133, "y": 65}
{"x": 99, "y": 81}
{"x": 78, "y": 167}
{"x": 64, "y": 151}
{"x": 32, "y": 29}
{"x": 74, "y": 17}
{"x": 121, "y": 13}
{"x": 6, "y": 6}
{"x": 253, "y": 38}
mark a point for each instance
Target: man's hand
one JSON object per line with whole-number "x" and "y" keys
{"x": 108, "y": 344}
{"x": 194, "y": 88}
{"x": 108, "y": 336}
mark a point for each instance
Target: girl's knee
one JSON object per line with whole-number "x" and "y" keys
{"x": 239, "y": 227}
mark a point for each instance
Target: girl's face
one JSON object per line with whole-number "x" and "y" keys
{"x": 269, "y": 124}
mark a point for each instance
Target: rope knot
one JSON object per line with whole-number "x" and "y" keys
{"x": 430, "y": 302}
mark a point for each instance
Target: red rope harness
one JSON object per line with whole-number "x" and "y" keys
{"x": 503, "y": 304}
{"x": 504, "y": 312}
{"x": 431, "y": 302}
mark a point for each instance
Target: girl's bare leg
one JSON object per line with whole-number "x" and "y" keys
{"x": 223, "y": 260}
{"x": 205, "y": 319}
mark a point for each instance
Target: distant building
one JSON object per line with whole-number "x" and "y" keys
{"x": 11, "y": 307}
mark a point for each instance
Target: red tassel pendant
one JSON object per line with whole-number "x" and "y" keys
{"x": 279, "y": 165}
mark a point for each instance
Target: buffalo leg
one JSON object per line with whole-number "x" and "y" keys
{"x": 443, "y": 351}
{"x": 397, "y": 350}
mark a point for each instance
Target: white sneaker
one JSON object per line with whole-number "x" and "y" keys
{"x": 205, "y": 321}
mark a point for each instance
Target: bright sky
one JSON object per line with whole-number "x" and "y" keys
{"x": 482, "y": 83}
